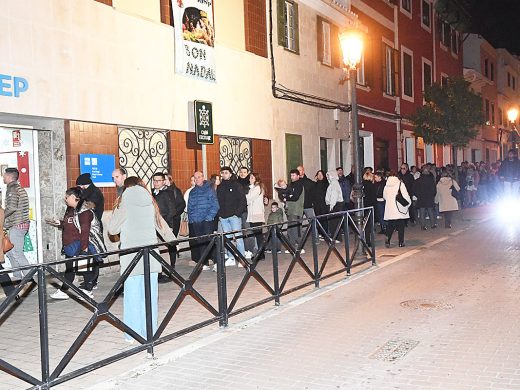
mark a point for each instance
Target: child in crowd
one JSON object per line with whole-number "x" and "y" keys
{"x": 275, "y": 216}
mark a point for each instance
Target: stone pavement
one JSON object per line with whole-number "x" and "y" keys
{"x": 19, "y": 344}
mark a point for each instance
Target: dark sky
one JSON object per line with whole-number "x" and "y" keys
{"x": 498, "y": 21}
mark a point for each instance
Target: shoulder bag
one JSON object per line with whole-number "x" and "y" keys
{"x": 400, "y": 198}
{"x": 7, "y": 244}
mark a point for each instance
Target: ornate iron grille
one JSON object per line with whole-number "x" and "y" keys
{"x": 143, "y": 152}
{"x": 235, "y": 152}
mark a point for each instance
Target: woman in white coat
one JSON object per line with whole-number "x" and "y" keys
{"x": 334, "y": 201}
{"x": 136, "y": 218}
{"x": 255, "y": 208}
{"x": 447, "y": 203}
{"x": 395, "y": 213}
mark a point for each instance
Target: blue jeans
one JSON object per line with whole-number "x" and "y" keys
{"x": 380, "y": 207}
{"x": 229, "y": 224}
{"x": 134, "y": 306}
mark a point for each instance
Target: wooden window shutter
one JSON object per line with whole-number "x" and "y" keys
{"x": 296, "y": 29}
{"x": 396, "y": 72}
{"x": 319, "y": 38}
{"x": 383, "y": 68}
{"x": 335, "y": 48}
{"x": 281, "y": 23}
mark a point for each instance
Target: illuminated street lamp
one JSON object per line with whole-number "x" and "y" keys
{"x": 352, "y": 47}
{"x": 512, "y": 115}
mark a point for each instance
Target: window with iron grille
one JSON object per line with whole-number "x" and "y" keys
{"x": 235, "y": 152}
{"x": 142, "y": 152}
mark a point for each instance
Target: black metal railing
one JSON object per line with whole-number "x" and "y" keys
{"x": 215, "y": 245}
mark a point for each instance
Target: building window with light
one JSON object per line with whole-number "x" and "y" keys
{"x": 454, "y": 41}
{"x": 486, "y": 107}
{"x": 445, "y": 34}
{"x": 324, "y": 46}
{"x": 426, "y": 14}
{"x": 407, "y": 71}
{"x": 288, "y": 33}
{"x": 361, "y": 71}
{"x": 427, "y": 74}
{"x": 406, "y": 5}
{"x": 390, "y": 75}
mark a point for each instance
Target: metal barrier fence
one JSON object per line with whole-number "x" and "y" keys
{"x": 217, "y": 244}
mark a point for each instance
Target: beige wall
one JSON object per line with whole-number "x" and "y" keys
{"x": 90, "y": 62}
{"x": 304, "y": 73}
{"x": 149, "y": 9}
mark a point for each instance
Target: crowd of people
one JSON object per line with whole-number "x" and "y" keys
{"x": 230, "y": 202}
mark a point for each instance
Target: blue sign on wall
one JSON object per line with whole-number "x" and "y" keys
{"x": 100, "y": 167}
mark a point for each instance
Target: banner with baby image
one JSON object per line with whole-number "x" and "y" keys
{"x": 194, "y": 39}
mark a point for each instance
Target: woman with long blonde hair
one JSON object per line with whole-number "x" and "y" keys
{"x": 137, "y": 219}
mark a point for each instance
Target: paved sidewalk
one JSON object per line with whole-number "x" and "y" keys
{"x": 66, "y": 319}
{"x": 447, "y": 315}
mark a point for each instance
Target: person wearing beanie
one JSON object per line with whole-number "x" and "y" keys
{"x": 91, "y": 193}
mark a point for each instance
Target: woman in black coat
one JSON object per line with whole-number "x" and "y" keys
{"x": 320, "y": 190}
{"x": 425, "y": 189}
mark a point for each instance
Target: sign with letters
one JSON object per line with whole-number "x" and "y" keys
{"x": 194, "y": 39}
{"x": 12, "y": 86}
{"x": 100, "y": 167}
{"x": 204, "y": 122}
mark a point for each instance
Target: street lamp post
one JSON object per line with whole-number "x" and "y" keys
{"x": 352, "y": 48}
{"x": 512, "y": 115}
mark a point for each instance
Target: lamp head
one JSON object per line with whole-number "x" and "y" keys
{"x": 512, "y": 114}
{"x": 351, "y": 43}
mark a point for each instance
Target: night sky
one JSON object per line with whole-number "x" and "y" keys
{"x": 498, "y": 21}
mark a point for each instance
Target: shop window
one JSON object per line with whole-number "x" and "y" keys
{"x": 288, "y": 34}
{"x": 324, "y": 155}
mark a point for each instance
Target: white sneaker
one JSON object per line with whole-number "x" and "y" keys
{"x": 88, "y": 293}
{"x": 438, "y": 217}
{"x": 302, "y": 251}
{"x": 287, "y": 251}
{"x": 240, "y": 265}
{"x": 248, "y": 254}
{"x": 59, "y": 295}
{"x": 214, "y": 269}
{"x": 207, "y": 267}
{"x": 230, "y": 263}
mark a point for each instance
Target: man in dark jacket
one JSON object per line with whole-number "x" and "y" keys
{"x": 171, "y": 205}
{"x": 308, "y": 189}
{"x": 407, "y": 178}
{"x": 294, "y": 197}
{"x": 202, "y": 209}
{"x": 232, "y": 204}
{"x": 346, "y": 187}
{"x": 509, "y": 173}
{"x": 92, "y": 194}
{"x": 425, "y": 189}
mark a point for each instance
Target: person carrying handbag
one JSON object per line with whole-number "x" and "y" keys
{"x": 5, "y": 280}
{"x": 396, "y": 213}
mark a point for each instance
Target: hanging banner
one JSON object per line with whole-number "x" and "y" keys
{"x": 194, "y": 39}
